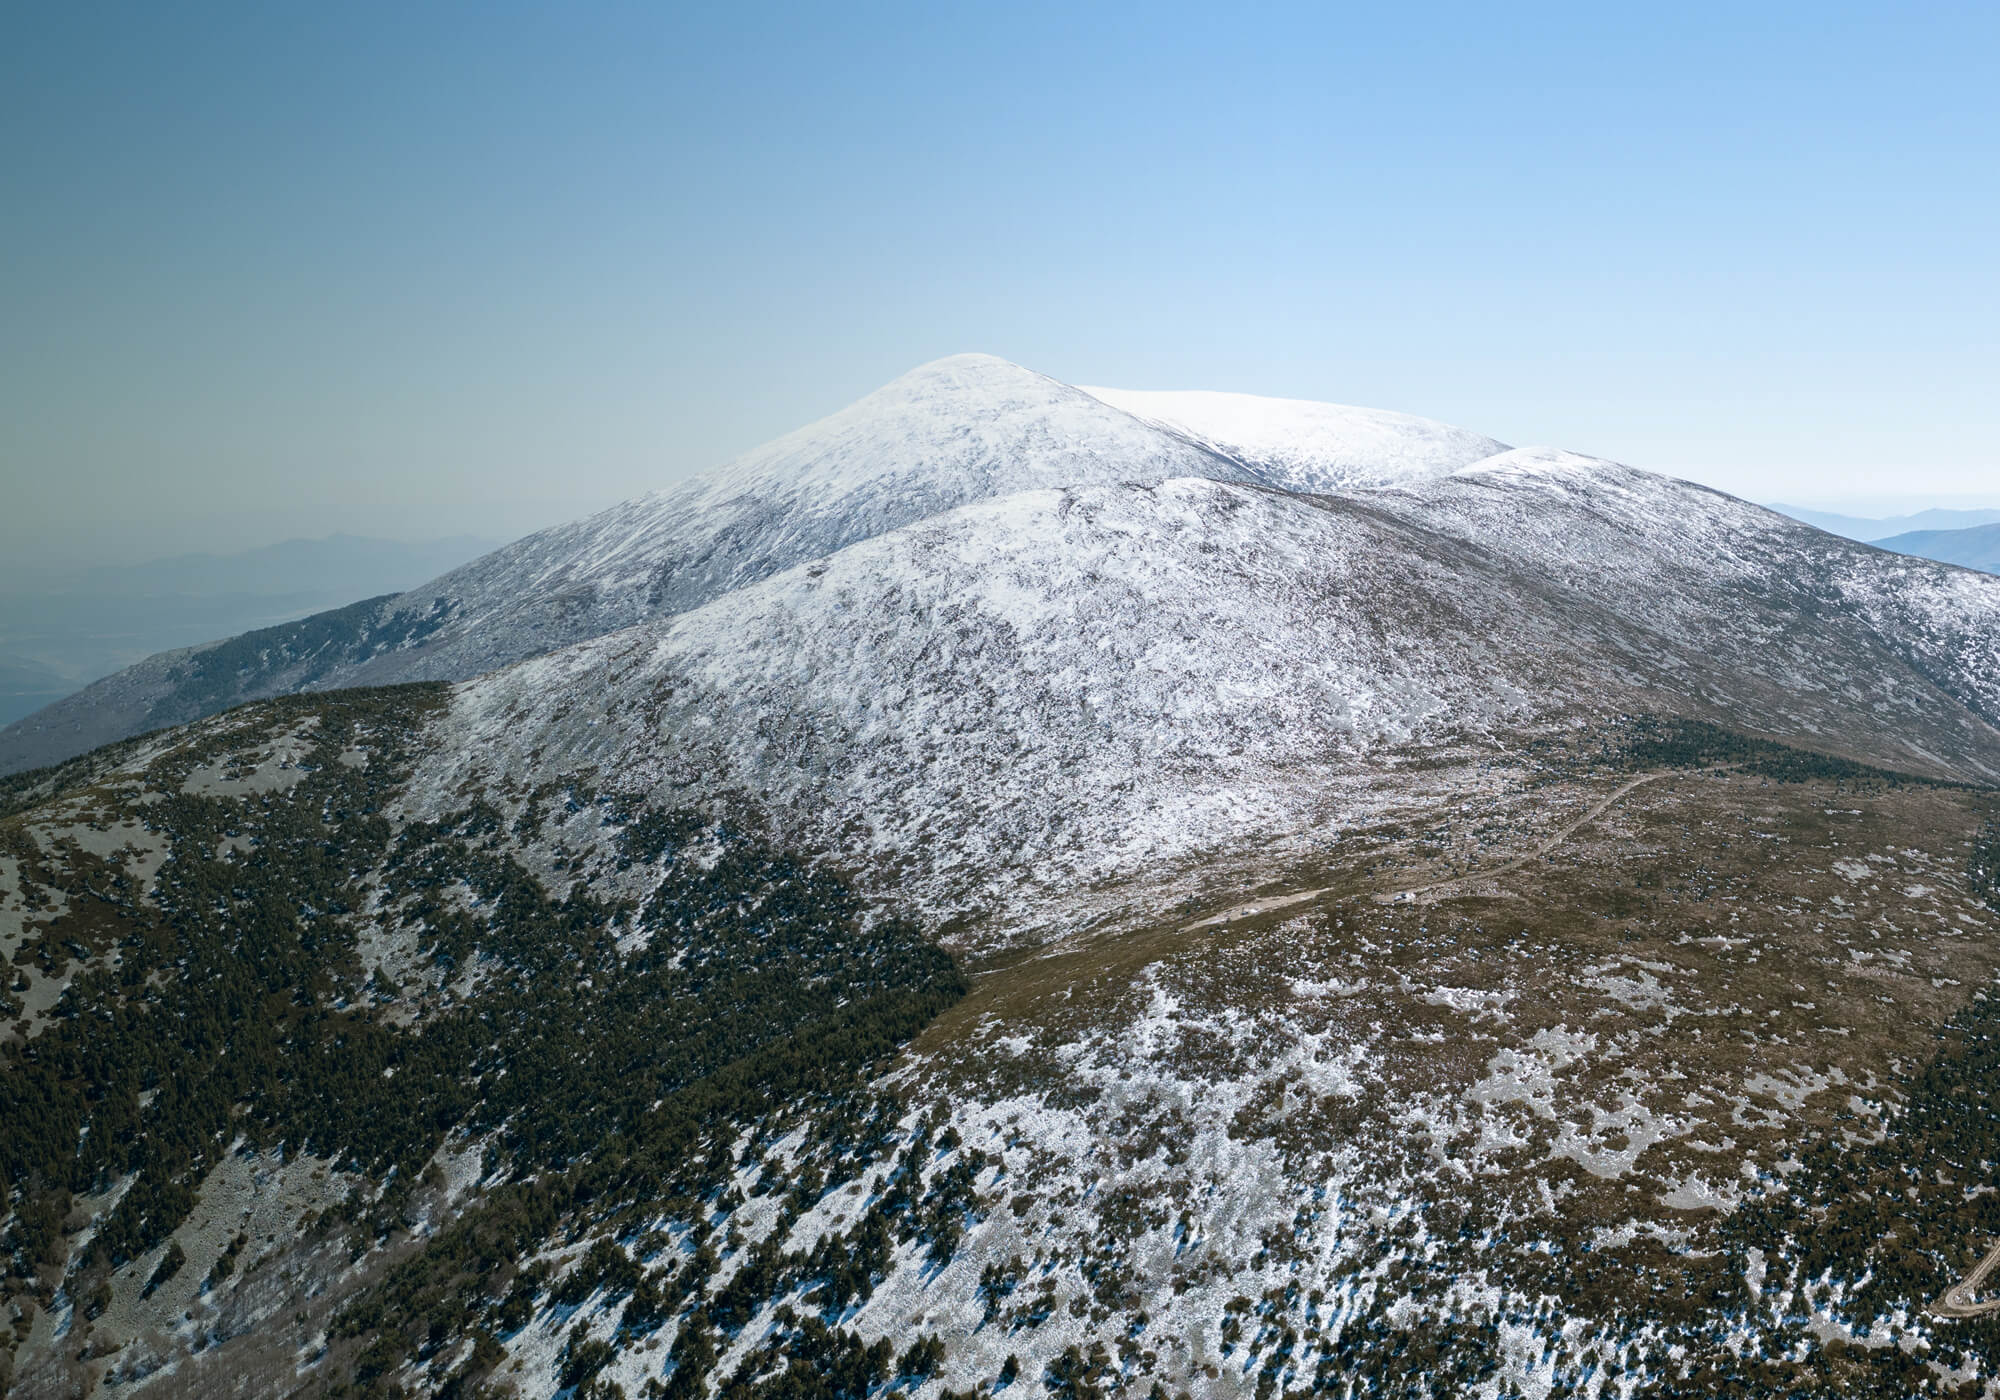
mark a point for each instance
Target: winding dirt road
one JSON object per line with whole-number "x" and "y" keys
{"x": 1957, "y": 1301}
{"x": 1282, "y": 901}
{"x": 1396, "y": 896}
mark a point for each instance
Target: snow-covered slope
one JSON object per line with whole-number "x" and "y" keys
{"x": 1040, "y": 691}
{"x": 1000, "y": 708}
{"x": 1299, "y": 445}
{"x": 962, "y": 429}
{"x": 958, "y": 430}
{"x": 1760, "y": 594}
{"x": 965, "y": 591}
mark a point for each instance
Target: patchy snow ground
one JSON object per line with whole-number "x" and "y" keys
{"x": 1006, "y": 709}
{"x": 1040, "y": 671}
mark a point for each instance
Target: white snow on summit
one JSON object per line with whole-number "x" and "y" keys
{"x": 948, "y": 433}
{"x": 959, "y": 429}
{"x": 1524, "y": 463}
{"x": 1299, "y": 445}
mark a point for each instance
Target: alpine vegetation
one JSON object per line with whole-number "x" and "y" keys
{"x": 1024, "y": 890}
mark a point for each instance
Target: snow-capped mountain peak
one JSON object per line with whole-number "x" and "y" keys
{"x": 1637, "y": 552}
{"x": 967, "y": 425}
{"x": 1300, "y": 445}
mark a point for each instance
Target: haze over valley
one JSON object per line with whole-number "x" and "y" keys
{"x": 61, "y": 629}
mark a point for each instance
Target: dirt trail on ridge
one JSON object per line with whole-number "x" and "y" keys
{"x": 1282, "y": 901}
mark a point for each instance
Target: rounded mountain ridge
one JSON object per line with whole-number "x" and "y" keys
{"x": 1305, "y": 445}
{"x": 947, "y": 434}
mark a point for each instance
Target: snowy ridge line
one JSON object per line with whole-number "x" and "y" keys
{"x": 959, "y": 430}
{"x": 998, "y": 710}
{"x": 1581, "y": 578}
{"x": 1300, "y": 445}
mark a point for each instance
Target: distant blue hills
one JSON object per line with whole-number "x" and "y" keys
{"x": 60, "y": 629}
{"x": 1873, "y": 530}
{"x": 1974, "y": 548}
{"x": 1968, "y": 538}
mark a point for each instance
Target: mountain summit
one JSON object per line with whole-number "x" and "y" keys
{"x": 958, "y": 430}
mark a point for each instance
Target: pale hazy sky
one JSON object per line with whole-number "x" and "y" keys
{"x": 277, "y": 270}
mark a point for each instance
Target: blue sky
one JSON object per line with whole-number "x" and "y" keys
{"x": 282, "y": 269}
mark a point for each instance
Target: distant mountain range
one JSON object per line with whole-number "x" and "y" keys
{"x": 1976, "y": 547}
{"x": 61, "y": 629}
{"x": 339, "y": 564}
{"x": 1872, "y": 529}
{"x": 1968, "y": 538}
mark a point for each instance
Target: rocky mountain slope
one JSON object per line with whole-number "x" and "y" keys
{"x": 1517, "y": 925}
{"x": 960, "y": 430}
{"x": 1018, "y": 702}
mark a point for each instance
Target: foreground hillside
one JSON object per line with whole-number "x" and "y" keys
{"x": 1640, "y": 1059}
{"x": 262, "y": 1027}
